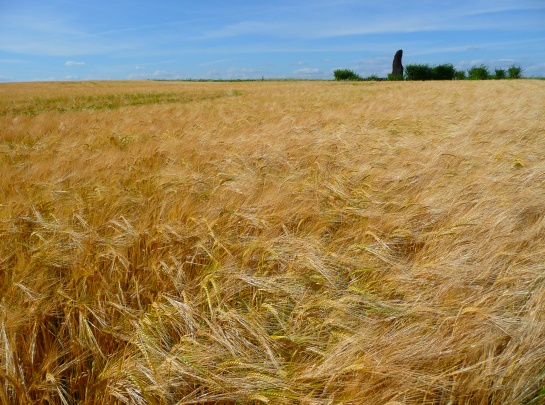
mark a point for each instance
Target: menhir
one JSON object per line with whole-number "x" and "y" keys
{"x": 397, "y": 67}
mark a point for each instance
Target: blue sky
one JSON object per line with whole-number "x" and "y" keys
{"x": 240, "y": 39}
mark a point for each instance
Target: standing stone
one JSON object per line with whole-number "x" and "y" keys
{"x": 397, "y": 67}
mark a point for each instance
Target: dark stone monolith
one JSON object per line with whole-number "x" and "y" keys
{"x": 397, "y": 67}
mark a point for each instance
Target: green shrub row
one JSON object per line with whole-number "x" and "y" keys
{"x": 349, "y": 75}
{"x": 439, "y": 72}
{"x": 426, "y": 72}
{"x": 448, "y": 72}
{"x": 346, "y": 74}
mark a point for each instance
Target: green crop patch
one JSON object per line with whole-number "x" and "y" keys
{"x": 104, "y": 102}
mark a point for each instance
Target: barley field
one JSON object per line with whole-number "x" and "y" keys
{"x": 272, "y": 242}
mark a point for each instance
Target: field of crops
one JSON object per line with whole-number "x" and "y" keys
{"x": 272, "y": 242}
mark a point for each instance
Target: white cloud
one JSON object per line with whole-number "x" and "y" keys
{"x": 505, "y": 60}
{"x": 332, "y": 20}
{"x": 74, "y": 63}
{"x": 157, "y": 74}
{"x": 216, "y": 62}
{"x": 308, "y": 72}
{"x": 243, "y": 73}
{"x": 14, "y": 61}
{"x": 535, "y": 70}
{"x": 245, "y": 28}
{"x": 165, "y": 74}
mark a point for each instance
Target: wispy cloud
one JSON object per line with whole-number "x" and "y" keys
{"x": 245, "y": 28}
{"x": 47, "y": 30}
{"x": 308, "y": 73}
{"x": 535, "y": 70}
{"x": 157, "y": 74}
{"x": 243, "y": 73}
{"x": 337, "y": 21}
{"x": 14, "y": 61}
{"x": 73, "y": 63}
{"x": 216, "y": 62}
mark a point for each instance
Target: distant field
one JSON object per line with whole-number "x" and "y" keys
{"x": 272, "y": 242}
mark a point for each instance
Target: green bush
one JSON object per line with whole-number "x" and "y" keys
{"x": 373, "y": 78}
{"x": 444, "y": 72}
{"x": 426, "y": 72}
{"x": 514, "y": 72}
{"x": 418, "y": 72}
{"x": 392, "y": 77}
{"x": 346, "y": 74}
{"x": 478, "y": 73}
{"x": 499, "y": 74}
{"x": 460, "y": 75}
